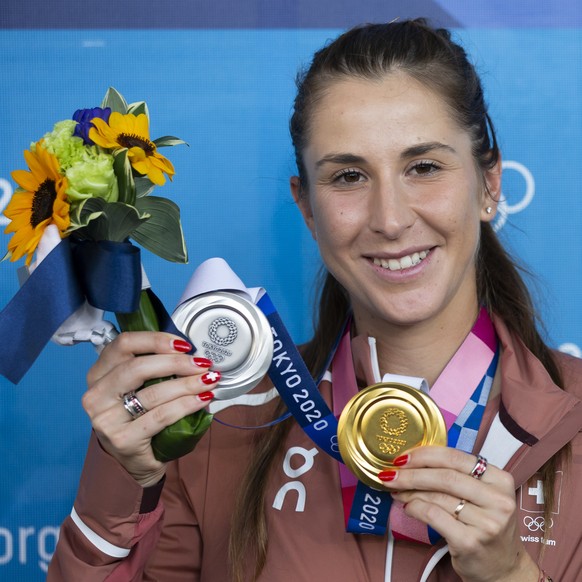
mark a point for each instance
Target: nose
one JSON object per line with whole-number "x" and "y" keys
{"x": 390, "y": 211}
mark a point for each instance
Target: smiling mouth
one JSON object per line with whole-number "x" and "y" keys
{"x": 403, "y": 262}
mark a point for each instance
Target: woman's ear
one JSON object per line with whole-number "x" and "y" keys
{"x": 492, "y": 192}
{"x": 302, "y": 200}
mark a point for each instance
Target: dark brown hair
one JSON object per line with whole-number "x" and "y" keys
{"x": 431, "y": 57}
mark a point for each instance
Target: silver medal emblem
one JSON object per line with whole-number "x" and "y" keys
{"x": 232, "y": 332}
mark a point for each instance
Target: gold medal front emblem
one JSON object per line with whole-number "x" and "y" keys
{"x": 381, "y": 422}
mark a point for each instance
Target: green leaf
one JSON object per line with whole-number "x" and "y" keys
{"x": 169, "y": 140}
{"x": 84, "y": 212}
{"x": 115, "y": 101}
{"x": 144, "y": 319}
{"x": 109, "y": 220}
{"x": 138, "y": 108}
{"x": 162, "y": 233}
{"x": 125, "y": 181}
{"x": 143, "y": 186}
{"x": 180, "y": 438}
{"x": 122, "y": 220}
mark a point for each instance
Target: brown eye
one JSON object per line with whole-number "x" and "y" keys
{"x": 351, "y": 177}
{"x": 425, "y": 168}
{"x": 348, "y": 177}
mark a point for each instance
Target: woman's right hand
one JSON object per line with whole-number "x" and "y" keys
{"x": 124, "y": 365}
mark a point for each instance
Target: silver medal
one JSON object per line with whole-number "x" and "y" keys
{"x": 232, "y": 332}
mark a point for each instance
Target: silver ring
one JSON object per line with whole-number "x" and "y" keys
{"x": 479, "y": 468}
{"x": 133, "y": 405}
{"x": 459, "y": 508}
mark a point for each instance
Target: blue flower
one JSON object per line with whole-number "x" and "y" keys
{"x": 83, "y": 117}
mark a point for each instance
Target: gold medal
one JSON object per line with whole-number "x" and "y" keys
{"x": 381, "y": 422}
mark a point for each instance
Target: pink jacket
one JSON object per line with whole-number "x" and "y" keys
{"x": 119, "y": 533}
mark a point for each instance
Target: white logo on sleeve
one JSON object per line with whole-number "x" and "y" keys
{"x": 307, "y": 456}
{"x": 531, "y": 501}
{"x": 537, "y": 492}
{"x": 532, "y": 495}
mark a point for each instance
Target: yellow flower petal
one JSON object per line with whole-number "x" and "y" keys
{"x": 115, "y": 118}
{"x": 163, "y": 163}
{"x": 136, "y": 155}
{"x": 25, "y": 180}
{"x": 156, "y": 176}
{"x": 34, "y": 163}
{"x": 142, "y": 125}
{"x": 102, "y": 134}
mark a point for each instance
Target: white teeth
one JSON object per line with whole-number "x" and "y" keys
{"x": 403, "y": 263}
{"x": 406, "y": 262}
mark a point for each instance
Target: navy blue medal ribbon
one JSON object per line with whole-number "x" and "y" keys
{"x": 297, "y": 387}
{"x": 300, "y": 393}
{"x": 370, "y": 510}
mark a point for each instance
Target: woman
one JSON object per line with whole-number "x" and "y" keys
{"x": 399, "y": 179}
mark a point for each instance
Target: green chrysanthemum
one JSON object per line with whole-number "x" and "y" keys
{"x": 92, "y": 177}
{"x": 61, "y": 142}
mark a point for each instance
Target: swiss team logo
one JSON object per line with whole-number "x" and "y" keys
{"x": 531, "y": 495}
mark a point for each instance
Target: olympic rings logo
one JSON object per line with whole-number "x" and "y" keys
{"x": 536, "y": 523}
{"x": 504, "y": 209}
{"x": 334, "y": 444}
{"x": 218, "y": 338}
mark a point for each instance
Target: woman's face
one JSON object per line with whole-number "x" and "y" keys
{"x": 395, "y": 200}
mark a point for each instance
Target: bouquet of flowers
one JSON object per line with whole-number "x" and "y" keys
{"x": 91, "y": 180}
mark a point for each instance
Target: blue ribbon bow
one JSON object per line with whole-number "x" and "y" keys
{"x": 106, "y": 273}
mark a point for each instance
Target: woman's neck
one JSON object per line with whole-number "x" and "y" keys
{"x": 422, "y": 349}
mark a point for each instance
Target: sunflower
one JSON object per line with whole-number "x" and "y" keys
{"x": 40, "y": 201}
{"x": 132, "y": 133}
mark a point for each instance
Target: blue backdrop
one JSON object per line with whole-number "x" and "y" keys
{"x": 221, "y": 76}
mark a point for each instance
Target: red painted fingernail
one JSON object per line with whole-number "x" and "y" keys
{"x": 211, "y": 377}
{"x": 387, "y": 475}
{"x": 202, "y": 362}
{"x": 181, "y": 346}
{"x": 206, "y": 396}
{"x": 402, "y": 460}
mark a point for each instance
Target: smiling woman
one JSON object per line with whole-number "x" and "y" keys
{"x": 398, "y": 181}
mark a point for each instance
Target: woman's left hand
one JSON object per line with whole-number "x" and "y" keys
{"x": 477, "y": 517}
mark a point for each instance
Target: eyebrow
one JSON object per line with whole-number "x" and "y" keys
{"x": 340, "y": 159}
{"x": 411, "y": 152}
{"x": 424, "y": 148}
